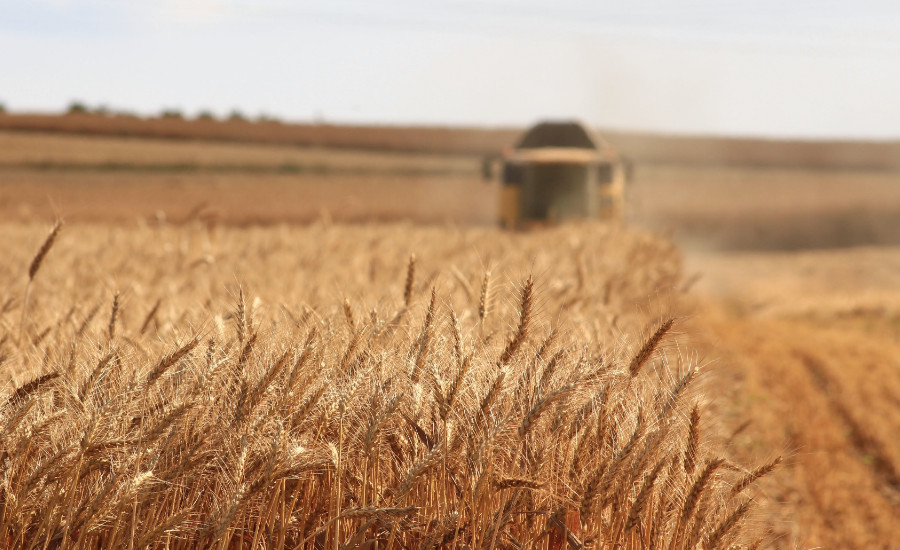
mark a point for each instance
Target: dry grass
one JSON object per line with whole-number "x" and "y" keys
{"x": 318, "y": 388}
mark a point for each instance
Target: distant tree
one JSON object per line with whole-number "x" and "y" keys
{"x": 77, "y": 108}
{"x": 2, "y": 107}
{"x": 237, "y": 116}
{"x": 263, "y": 117}
{"x": 171, "y": 113}
{"x": 102, "y": 110}
{"x": 206, "y": 115}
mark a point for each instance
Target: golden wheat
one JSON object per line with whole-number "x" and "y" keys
{"x": 435, "y": 423}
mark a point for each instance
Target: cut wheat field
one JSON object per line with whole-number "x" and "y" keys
{"x": 377, "y": 386}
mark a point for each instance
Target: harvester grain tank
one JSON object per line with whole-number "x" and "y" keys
{"x": 558, "y": 172}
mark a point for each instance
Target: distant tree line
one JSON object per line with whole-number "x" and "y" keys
{"x": 77, "y": 107}
{"x": 81, "y": 108}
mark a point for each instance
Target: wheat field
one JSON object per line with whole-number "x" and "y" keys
{"x": 371, "y": 386}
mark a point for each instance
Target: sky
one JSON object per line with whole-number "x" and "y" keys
{"x": 789, "y": 68}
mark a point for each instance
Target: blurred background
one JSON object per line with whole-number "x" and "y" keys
{"x": 763, "y": 125}
{"x": 744, "y": 126}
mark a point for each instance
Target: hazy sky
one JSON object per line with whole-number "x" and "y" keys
{"x": 763, "y": 67}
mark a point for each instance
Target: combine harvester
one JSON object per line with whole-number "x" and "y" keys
{"x": 558, "y": 172}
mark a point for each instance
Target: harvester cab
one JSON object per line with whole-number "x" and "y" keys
{"x": 558, "y": 172}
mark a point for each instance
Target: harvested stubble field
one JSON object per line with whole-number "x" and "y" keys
{"x": 119, "y": 180}
{"x": 320, "y": 387}
{"x": 102, "y": 178}
{"x": 808, "y": 360}
{"x": 643, "y": 148}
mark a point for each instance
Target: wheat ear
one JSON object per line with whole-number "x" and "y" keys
{"x": 410, "y": 280}
{"x": 484, "y": 300}
{"x": 113, "y": 316}
{"x": 750, "y": 478}
{"x": 727, "y": 525}
{"x": 33, "y": 270}
{"x": 699, "y": 488}
{"x": 646, "y": 351}
{"x": 150, "y": 316}
{"x": 640, "y": 502}
{"x": 692, "y": 450}
{"x": 521, "y": 333}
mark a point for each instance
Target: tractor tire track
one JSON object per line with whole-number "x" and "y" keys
{"x": 860, "y": 437}
{"x": 821, "y": 395}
